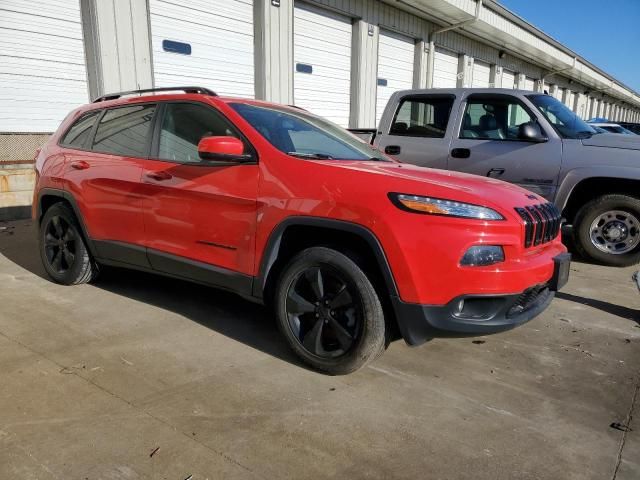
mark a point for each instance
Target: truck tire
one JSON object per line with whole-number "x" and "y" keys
{"x": 607, "y": 230}
{"x": 63, "y": 250}
{"x": 329, "y": 311}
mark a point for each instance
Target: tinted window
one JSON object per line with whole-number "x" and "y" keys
{"x": 422, "y": 117}
{"x": 80, "y": 131}
{"x": 301, "y": 134}
{"x": 125, "y": 131}
{"x": 493, "y": 118}
{"x": 183, "y": 127}
{"x": 565, "y": 122}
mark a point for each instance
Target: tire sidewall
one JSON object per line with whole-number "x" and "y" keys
{"x": 585, "y": 217}
{"x": 372, "y": 335}
{"x": 71, "y": 275}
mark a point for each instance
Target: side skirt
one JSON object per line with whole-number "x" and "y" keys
{"x": 118, "y": 254}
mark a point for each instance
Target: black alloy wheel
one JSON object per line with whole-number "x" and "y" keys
{"x": 59, "y": 245}
{"x": 329, "y": 311}
{"x": 63, "y": 250}
{"x": 324, "y": 311}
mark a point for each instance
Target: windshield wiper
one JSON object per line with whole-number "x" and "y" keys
{"x": 317, "y": 156}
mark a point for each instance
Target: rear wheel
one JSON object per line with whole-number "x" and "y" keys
{"x": 607, "y": 230}
{"x": 63, "y": 251}
{"x": 329, "y": 311}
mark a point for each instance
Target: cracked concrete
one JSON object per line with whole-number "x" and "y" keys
{"x": 95, "y": 378}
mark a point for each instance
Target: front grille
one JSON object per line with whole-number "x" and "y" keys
{"x": 528, "y": 299}
{"x": 541, "y": 223}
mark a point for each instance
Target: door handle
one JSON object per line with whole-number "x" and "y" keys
{"x": 159, "y": 176}
{"x": 80, "y": 165}
{"x": 392, "y": 149}
{"x": 460, "y": 153}
{"x": 495, "y": 172}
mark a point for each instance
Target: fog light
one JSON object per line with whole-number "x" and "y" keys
{"x": 482, "y": 255}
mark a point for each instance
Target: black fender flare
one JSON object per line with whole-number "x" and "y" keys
{"x": 64, "y": 195}
{"x": 272, "y": 248}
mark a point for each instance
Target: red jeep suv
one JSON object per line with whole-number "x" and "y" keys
{"x": 282, "y": 207}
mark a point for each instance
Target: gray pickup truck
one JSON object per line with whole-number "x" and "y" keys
{"x": 535, "y": 141}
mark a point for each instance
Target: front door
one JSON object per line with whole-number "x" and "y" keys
{"x": 200, "y": 218}
{"x": 487, "y": 144}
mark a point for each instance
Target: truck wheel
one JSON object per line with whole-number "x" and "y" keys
{"x": 607, "y": 230}
{"x": 329, "y": 312}
{"x": 63, "y": 251}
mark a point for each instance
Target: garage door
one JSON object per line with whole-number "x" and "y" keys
{"x": 481, "y": 74}
{"x": 559, "y": 93}
{"x": 528, "y": 83}
{"x": 322, "y": 63}
{"x": 571, "y": 100}
{"x": 395, "y": 67}
{"x": 445, "y": 69}
{"x": 42, "y": 64}
{"x": 508, "y": 79}
{"x": 195, "y": 44}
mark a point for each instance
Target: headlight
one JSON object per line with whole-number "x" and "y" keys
{"x": 440, "y": 206}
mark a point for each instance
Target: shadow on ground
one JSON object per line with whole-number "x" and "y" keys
{"x": 217, "y": 310}
{"x": 618, "y": 310}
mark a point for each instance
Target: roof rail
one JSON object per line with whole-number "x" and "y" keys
{"x": 113, "y": 96}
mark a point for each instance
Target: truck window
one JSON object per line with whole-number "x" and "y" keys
{"x": 422, "y": 117}
{"x": 493, "y": 118}
{"x": 561, "y": 118}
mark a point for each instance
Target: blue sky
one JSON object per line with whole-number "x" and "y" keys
{"x": 605, "y": 32}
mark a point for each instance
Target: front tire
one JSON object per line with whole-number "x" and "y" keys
{"x": 607, "y": 230}
{"x": 329, "y": 311}
{"x": 63, "y": 250}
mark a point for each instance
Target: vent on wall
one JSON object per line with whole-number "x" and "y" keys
{"x": 176, "y": 47}
{"x": 304, "y": 68}
{"x": 382, "y": 82}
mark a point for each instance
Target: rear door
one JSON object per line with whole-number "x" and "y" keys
{"x": 486, "y": 143}
{"x": 105, "y": 180}
{"x": 199, "y": 217}
{"x": 420, "y": 130}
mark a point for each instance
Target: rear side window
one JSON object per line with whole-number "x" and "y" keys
{"x": 422, "y": 117}
{"x": 78, "y": 135}
{"x": 125, "y": 131}
{"x": 184, "y": 125}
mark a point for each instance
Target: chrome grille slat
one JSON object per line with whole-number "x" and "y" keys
{"x": 541, "y": 223}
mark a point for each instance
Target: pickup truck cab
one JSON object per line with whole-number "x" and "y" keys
{"x": 533, "y": 140}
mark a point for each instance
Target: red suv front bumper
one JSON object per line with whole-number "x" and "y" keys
{"x": 473, "y": 315}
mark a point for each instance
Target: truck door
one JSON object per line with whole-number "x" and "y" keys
{"x": 419, "y": 130}
{"x": 486, "y": 142}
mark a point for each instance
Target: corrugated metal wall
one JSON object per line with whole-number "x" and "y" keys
{"x": 42, "y": 64}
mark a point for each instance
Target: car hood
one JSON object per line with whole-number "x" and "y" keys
{"x": 464, "y": 187}
{"x": 612, "y": 140}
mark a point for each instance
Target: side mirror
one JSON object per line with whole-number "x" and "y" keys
{"x": 222, "y": 149}
{"x": 531, "y": 132}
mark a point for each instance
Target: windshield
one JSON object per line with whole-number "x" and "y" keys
{"x": 301, "y": 134}
{"x": 566, "y": 122}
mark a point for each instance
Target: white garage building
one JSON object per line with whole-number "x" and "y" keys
{"x": 339, "y": 58}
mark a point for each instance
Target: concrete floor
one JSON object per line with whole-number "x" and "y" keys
{"x": 95, "y": 378}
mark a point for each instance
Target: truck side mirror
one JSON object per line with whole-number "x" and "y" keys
{"x": 531, "y": 132}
